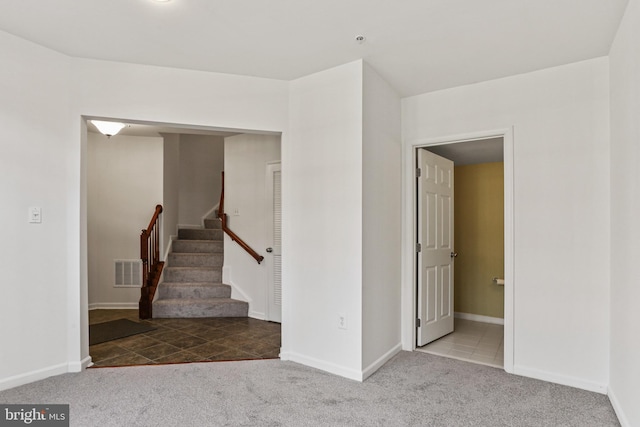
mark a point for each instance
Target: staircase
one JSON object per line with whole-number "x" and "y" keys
{"x": 192, "y": 282}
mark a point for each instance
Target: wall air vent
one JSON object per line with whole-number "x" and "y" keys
{"x": 128, "y": 273}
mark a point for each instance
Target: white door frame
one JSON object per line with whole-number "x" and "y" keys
{"x": 409, "y": 261}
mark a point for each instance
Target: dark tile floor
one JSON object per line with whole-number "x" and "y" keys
{"x": 186, "y": 340}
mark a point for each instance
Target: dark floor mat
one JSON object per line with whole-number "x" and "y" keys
{"x": 115, "y": 329}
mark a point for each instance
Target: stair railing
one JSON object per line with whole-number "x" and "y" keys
{"x": 151, "y": 264}
{"x": 234, "y": 237}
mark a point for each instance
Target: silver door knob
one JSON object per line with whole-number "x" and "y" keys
{"x": 269, "y": 250}
{"x": 454, "y": 254}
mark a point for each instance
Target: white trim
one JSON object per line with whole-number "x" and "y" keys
{"x": 329, "y": 367}
{"x": 257, "y": 315}
{"x": 509, "y": 249}
{"x": 622, "y": 418}
{"x": 408, "y": 293}
{"x": 113, "y": 306}
{"x": 479, "y": 318}
{"x": 169, "y": 247}
{"x": 37, "y": 375}
{"x": 226, "y": 278}
{"x": 560, "y": 379}
{"x": 172, "y": 238}
{"x": 408, "y": 276}
{"x": 372, "y": 368}
{"x": 210, "y": 214}
{"x": 80, "y": 365}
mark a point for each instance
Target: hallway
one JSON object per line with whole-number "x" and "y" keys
{"x": 186, "y": 340}
{"x": 471, "y": 341}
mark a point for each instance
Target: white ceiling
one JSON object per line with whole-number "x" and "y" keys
{"x": 471, "y": 152}
{"x": 416, "y": 45}
{"x": 158, "y": 130}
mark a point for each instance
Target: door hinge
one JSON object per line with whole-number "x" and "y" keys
{"x": 418, "y": 323}
{"x": 418, "y": 172}
{"x": 418, "y": 247}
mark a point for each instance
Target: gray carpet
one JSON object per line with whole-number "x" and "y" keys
{"x": 413, "y": 389}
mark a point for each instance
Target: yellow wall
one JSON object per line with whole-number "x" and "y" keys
{"x": 479, "y": 239}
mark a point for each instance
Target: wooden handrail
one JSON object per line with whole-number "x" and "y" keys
{"x": 221, "y": 214}
{"x": 151, "y": 268}
{"x": 154, "y": 218}
{"x": 234, "y": 237}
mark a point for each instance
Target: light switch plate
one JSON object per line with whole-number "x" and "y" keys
{"x": 35, "y": 215}
{"x": 342, "y": 321}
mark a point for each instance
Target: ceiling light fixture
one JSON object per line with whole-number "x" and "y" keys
{"x": 108, "y": 128}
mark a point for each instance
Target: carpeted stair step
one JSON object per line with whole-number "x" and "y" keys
{"x": 209, "y": 307}
{"x": 167, "y": 290}
{"x": 199, "y": 234}
{"x": 191, "y": 278}
{"x": 212, "y": 224}
{"x": 192, "y": 246}
{"x": 193, "y": 274}
{"x": 187, "y": 259}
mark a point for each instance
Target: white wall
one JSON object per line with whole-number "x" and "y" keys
{"x": 124, "y": 185}
{"x": 322, "y": 193}
{"x": 245, "y": 161}
{"x": 159, "y": 95}
{"x": 322, "y": 221}
{"x": 37, "y": 156}
{"x": 201, "y": 161}
{"x": 561, "y": 131}
{"x": 170, "y": 188}
{"x": 624, "y": 388}
{"x": 381, "y": 225}
{"x": 44, "y": 164}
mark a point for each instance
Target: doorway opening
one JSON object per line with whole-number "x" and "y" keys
{"x": 186, "y": 339}
{"x": 481, "y": 308}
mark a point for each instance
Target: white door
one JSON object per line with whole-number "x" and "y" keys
{"x": 273, "y": 257}
{"x": 435, "y": 247}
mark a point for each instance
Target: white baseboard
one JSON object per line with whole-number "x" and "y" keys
{"x": 80, "y": 365}
{"x": 236, "y": 292}
{"x": 169, "y": 247}
{"x": 172, "y": 238}
{"x": 114, "y": 306}
{"x": 322, "y": 365}
{"x": 211, "y": 214}
{"x": 480, "y": 318}
{"x": 257, "y": 315}
{"x": 622, "y": 418}
{"x": 560, "y": 379}
{"x": 381, "y": 361}
{"x": 41, "y": 374}
{"x": 32, "y": 376}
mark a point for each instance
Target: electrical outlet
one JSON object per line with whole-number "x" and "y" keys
{"x": 236, "y": 212}
{"x": 342, "y": 321}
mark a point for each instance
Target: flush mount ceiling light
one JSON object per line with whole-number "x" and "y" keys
{"x": 108, "y": 128}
